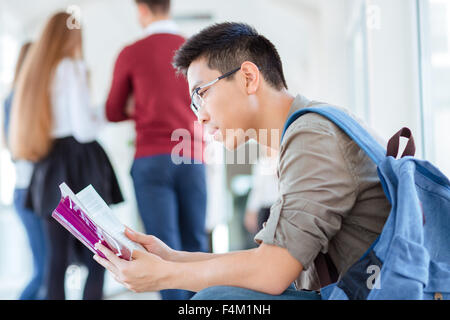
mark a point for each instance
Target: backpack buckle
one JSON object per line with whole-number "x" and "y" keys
{"x": 438, "y": 296}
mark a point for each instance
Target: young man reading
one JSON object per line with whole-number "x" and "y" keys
{"x": 330, "y": 198}
{"x": 171, "y": 198}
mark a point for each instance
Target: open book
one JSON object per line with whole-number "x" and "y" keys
{"x": 90, "y": 220}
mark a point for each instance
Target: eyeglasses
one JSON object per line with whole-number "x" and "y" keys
{"x": 196, "y": 98}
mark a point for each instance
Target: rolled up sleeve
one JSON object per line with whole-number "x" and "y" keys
{"x": 317, "y": 189}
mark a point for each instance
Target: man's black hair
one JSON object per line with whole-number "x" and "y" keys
{"x": 157, "y": 6}
{"x": 226, "y": 46}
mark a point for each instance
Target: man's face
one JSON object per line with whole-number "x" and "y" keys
{"x": 225, "y": 104}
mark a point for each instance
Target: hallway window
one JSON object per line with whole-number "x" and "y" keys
{"x": 8, "y": 56}
{"x": 434, "y": 17}
{"x": 357, "y": 42}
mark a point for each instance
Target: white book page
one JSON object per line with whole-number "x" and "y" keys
{"x": 102, "y": 215}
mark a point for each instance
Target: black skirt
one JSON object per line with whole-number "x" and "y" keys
{"x": 76, "y": 164}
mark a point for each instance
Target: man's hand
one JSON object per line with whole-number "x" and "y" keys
{"x": 152, "y": 244}
{"x": 146, "y": 271}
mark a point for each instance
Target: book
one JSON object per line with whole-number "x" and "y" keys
{"x": 87, "y": 217}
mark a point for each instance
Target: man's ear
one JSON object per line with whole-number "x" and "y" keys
{"x": 142, "y": 8}
{"x": 144, "y": 11}
{"x": 252, "y": 76}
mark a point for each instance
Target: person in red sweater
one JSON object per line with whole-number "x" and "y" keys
{"x": 171, "y": 196}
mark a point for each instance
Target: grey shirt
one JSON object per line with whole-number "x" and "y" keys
{"x": 330, "y": 197}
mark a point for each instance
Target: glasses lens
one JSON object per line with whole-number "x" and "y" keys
{"x": 196, "y": 103}
{"x": 194, "y": 108}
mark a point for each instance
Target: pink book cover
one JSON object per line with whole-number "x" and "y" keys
{"x": 93, "y": 227}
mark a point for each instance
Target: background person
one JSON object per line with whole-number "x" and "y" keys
{"x": 171, "y": 197}
{"x": 53, "y": 125}
{"x": 264, "y": 192}
{"x": 32, "y": 223}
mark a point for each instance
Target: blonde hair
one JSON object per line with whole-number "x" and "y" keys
{"x": 22, "y": 55}
{"x": 31, "y": 114}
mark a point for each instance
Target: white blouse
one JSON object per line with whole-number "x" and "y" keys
{"x": 72, "y": 113}
{"x": 71, "y": 107}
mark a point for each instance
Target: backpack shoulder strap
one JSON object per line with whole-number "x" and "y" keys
{"x": 347, "y": 124}
{"x": 325, "y": 267}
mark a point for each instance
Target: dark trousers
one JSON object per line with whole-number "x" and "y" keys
{"x": 172, "y": 204}
{"x": 34, "y": 228}
{"x": 61, "y": 245}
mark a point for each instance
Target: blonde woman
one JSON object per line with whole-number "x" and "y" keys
{"x": 54, "y": 126}
{"x": 32, "y": 223}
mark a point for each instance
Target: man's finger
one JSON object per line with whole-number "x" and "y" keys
{"x": 107, "y": 265}
{"x": 111, "y": 256}
{"x": 117, "y": 279}
{"x": 136, "y": 254}
{"x": 137, "y": 236}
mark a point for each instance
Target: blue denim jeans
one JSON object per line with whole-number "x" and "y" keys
{"x": 37, "y": 239}
{"x": 235, "y": 293}
{"x": 172, "y": 204}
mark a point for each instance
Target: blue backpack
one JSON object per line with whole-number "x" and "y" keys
{"x": 411, "y": 257}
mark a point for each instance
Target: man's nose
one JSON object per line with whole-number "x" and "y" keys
{"x": 202, "y": 116}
